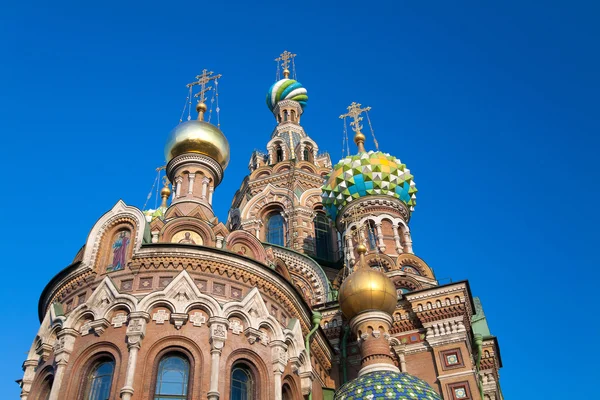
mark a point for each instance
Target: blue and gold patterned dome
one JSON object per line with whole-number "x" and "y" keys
{"x": 382, "y": 385}
{"x": 368, "y": 173}
{"x": 286, "y": 89}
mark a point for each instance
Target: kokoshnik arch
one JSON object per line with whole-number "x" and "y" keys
{"x": 310, "y": 290}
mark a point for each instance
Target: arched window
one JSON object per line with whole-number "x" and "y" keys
{"x": 286, "y": 393}
{"x": 322, "y": 236}
{"x": 278, "y": 154}
{"x": 46, "y": 388}
{"x": 307, "y": 153}
{"x": 275, "y": 229}
{"x": 172, "y": 378}
{"x": 372, "y": 236}
{"x": 242, "y": 384}
{"x": 99, "y": 380}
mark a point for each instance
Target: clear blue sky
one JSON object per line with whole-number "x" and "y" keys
{"x": 493, "y": 107}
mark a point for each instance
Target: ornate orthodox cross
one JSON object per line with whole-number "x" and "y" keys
{"x": 354, "y": 112}
{"x": 202, "y": 79}
{"x": 285, "y": 58}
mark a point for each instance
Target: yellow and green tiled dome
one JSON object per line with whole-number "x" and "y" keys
{"x": 368, "y": 173}
{"x": 286, "y": 89}
{"x": 382, "y": 385}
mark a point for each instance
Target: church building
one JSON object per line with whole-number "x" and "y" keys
{"x": 311, "y": 288}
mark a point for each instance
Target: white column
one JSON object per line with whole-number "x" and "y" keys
{"x": 29, "y": 367}
{"x": 211, "y": 190}
{"x": 178, "y": 181}
{"x": 218, "y": 335}
{"x": 191, "y": 178}
{"x": 399, "y": 248}
{"x": 136, "y": 329}
{"x": 407, "y": 241}
{"x": 350, "y": 247}
{"x": 205, "y": 181}
{"x": 279, "y": 360}
{"x": 62, "y": 352}
{"x": 380, "y": 237}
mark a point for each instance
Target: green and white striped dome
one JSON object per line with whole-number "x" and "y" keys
{"x": 286, "y": 89}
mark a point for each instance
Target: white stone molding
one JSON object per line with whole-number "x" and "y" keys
{"x": 194, "y": 158}
{"x": 445, "y": 331}
{"x": 178, "y": 320}
{"x": 120, "y": 210}
{"x": 180, "y": 295}
{"x": 254, "y": 314}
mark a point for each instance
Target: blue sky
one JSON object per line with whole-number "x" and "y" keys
{"x": 493, "y": 107}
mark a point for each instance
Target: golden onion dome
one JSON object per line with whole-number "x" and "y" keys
{"x": 366, "y": 289}
{"x": 198, "y": 137}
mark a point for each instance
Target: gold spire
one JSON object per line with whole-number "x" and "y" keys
{"x": 354, "y": 112}
{"x": 202, "y": 79}
{"x": 165, "y": 192}
{"x": 285, "y": 58}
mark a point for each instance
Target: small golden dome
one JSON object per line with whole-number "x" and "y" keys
{"x": 367, "y": 289}
{"x": 165, "y": 192}
{"x": 198, "y": 137}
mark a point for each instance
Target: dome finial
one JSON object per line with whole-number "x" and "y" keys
{"x": 285, "y": 59}
{"x": 202, "y": 79}
{"x": 354, "y": 112}
{"x": 165, "y": 192}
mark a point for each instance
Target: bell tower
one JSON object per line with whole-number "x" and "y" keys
{"x": 280, "y": 201}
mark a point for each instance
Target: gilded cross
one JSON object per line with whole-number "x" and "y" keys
{"x": 285, "y": 58}
{"x": 204, "y": 78}
{"x": 354, "y": 112}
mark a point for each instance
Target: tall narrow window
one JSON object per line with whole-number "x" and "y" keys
{"x": 372, "y": 235}
{"x": 278, "y": 154}
{"x": 322, "y": 236}
{"x": 308, "y": 153}
{"x": 275, "y": 230}
{"x": 172, "y": 378}
{"x": 99, "y": 381}
{"x": 46, "y": 388}
{"x": 286, "y": 393}
{"x": 242, "y": 384}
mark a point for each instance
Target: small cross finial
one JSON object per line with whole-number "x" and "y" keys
{"x": 285, "y": 59}
{"x": 202, "y": 79}
{"x": 354, "y": 112}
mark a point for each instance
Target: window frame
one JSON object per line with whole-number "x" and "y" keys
{"x": 250, "y": 370}
{"x": 92, "y": 365}
{"x": 168, "y": 352}
{"x": 268, "y": 228}
{"x": 328, "y": 236}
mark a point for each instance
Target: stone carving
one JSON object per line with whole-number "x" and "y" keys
{"x": 197, "y": 319}
{"x": 135, "y": 326}
{"x": 118, "y": 320}
{"x": 85, "y": 328}
{"x": 160, "y": 317}
{"x": 236, "y": 327}
{"x": 219, "y": 331}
